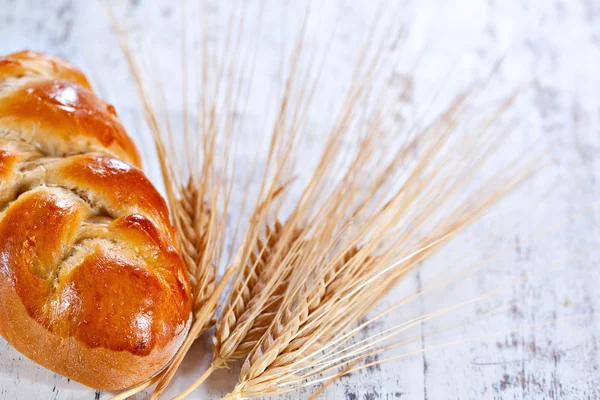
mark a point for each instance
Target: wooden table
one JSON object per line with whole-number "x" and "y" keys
{"x": 552, "y": 46}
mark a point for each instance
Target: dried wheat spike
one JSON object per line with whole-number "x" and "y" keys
{"x": 271, "y": 306}
{"x": 262, "y": 321}
{"x": 287, "y": 340}
{"x": 194, "y": 218}
{"x": 247, "y": 303}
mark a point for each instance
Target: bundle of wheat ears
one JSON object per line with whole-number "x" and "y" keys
{"x": 310, "y": 257}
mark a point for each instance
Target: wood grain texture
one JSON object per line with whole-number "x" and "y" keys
{"x": 554, "y": 46}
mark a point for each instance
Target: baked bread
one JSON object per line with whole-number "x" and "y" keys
{"x": 91, "y": 283}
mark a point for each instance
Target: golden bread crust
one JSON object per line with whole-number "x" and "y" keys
{"x": 91, "y": 283}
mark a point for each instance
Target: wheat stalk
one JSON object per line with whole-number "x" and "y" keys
{"x": 301, "y": 284}
{"x": 260, "y": 288}
{"x": 194, "y": 219}
{"x": 262, "y": 257}
{"x": 420, "y": 216}
{"x": 258, "y": 292}
{"x": 194, "y": 204}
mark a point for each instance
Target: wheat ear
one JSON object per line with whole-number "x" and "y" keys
{"x": 249, "y": 312}
{"x": 257, "y": 277}
{"x": 428, "y": 200}
{"x": 193, "y": 205}
{"x": 194, "y": 218}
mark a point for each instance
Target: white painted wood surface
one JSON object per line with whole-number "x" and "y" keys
{"x": 554, "y": 43}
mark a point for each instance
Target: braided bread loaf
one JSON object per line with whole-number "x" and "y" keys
{"x": 91, "y": 284}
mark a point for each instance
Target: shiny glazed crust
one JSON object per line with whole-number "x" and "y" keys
{"x": 91, "y": 284}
